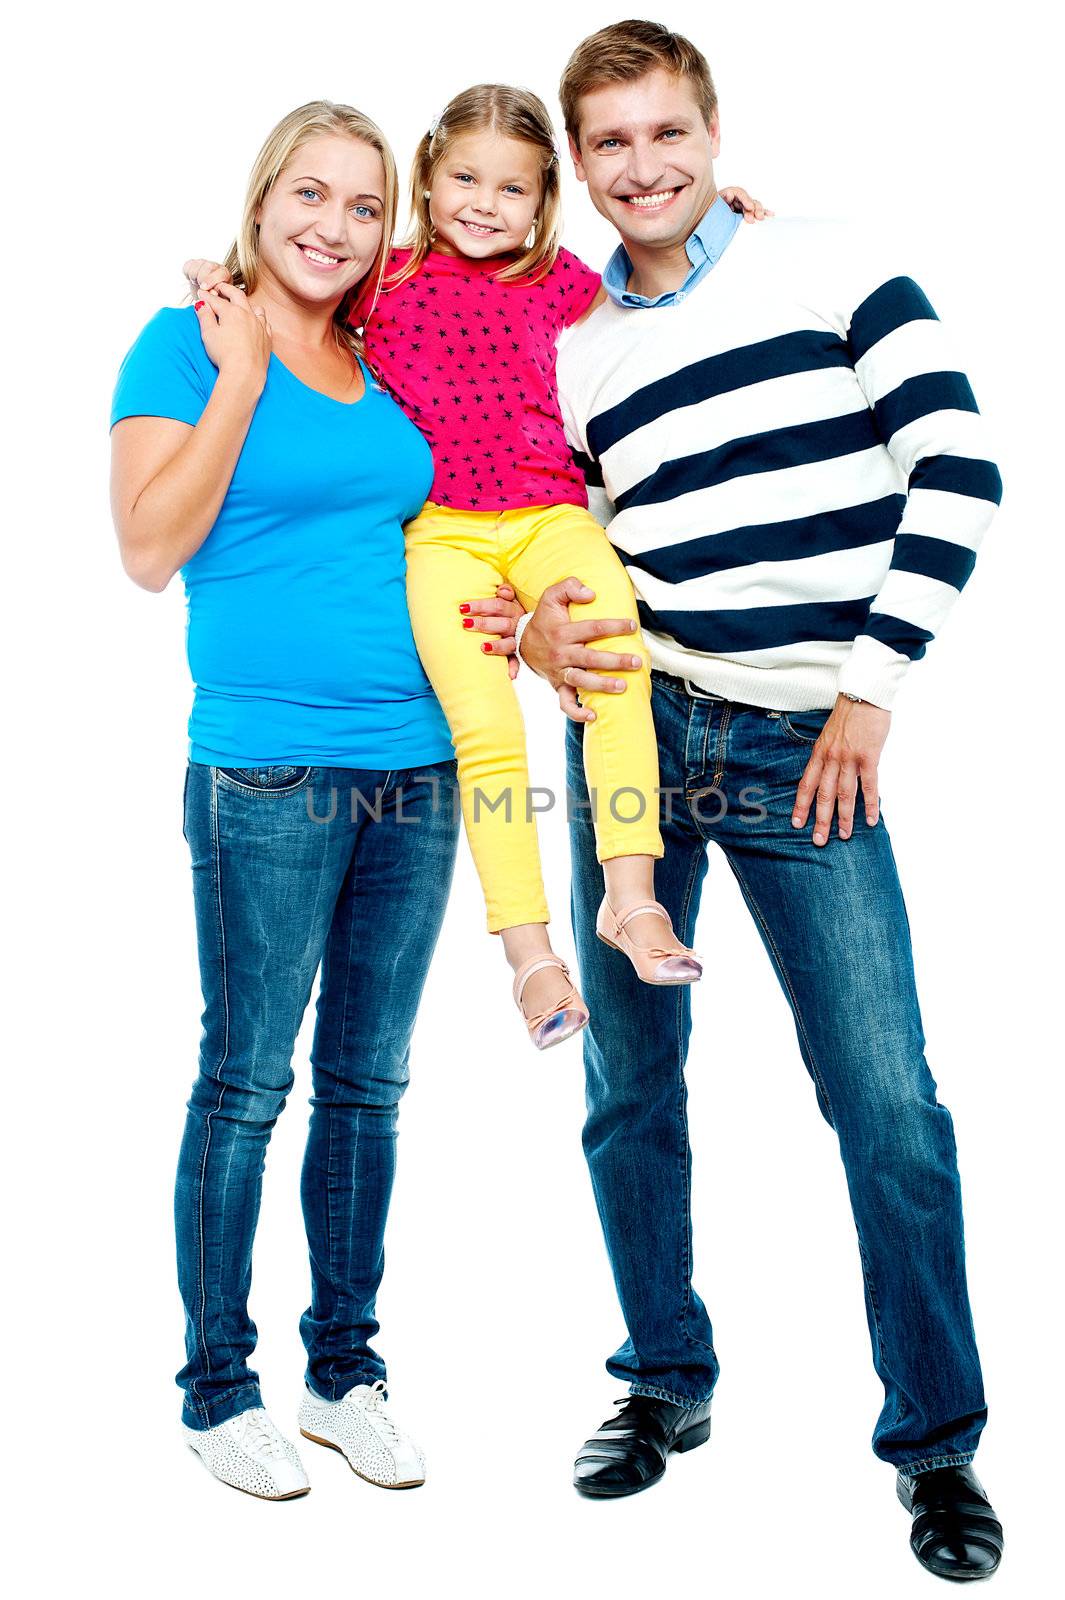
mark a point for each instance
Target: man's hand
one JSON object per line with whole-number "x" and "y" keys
{"x": 555, "y": 648}
{"x": 847, "y": 751}
{"x": 497, "y": 617}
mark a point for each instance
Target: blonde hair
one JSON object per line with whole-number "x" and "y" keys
{"x": 624, "y": 52}
{"x": 316, "y": 119}
{"x": 518, "y": 114}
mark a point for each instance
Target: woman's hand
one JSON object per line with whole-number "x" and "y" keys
{"x": 236, "y": 334}
{"x": 734, "y": 196}
{"x": 497, "y": 617}
{"x": 204, "y": 275}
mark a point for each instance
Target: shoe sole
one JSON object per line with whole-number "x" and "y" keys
{"x": 691, "y": 1439}
{"x": 906, "y": 1500}
{"x": 293, "y": 1494}
{"x": 409, "y": 1483}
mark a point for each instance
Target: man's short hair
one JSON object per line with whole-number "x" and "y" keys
{"x": 624, "y": 52}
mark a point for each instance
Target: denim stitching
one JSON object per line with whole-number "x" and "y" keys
{"x": 216, "y": 851}
{"x": 760, "y": 919}
{"x": 815, "y": 1072}
{"x": 340, "y": 1056}
{"x": 874, "y": 1302}
{"x": 931, "y": 1463}
{"x": 686, "y": 1256}
{"x": 683, "y": 1400}
{"x": 261, "y": 790}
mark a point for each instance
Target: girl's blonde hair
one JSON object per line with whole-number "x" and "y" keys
{"x": 316, "y": 119}
{"x": 496, "y": 108}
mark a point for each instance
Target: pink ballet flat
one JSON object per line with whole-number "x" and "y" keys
{"x": 653, "y": 965}
{"x": 566, "y": 1018}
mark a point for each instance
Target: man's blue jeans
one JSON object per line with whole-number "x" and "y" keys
{"x": 833, "y": 922}
{"x": 295, "y": 867}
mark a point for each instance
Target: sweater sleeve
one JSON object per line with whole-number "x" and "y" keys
{"x": 927, "y": 417}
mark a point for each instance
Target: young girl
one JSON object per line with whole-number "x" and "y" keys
{"x": 464, "y": 336}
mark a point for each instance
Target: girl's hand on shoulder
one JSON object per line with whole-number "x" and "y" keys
{"x": 236, "y": 334}
{"x": 739, "y": 200}
{"x": 204, "y": 275}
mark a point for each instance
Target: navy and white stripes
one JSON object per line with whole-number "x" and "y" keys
{"x": 796, "y": 468}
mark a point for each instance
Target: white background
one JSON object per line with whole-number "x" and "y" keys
{"x": 132, "y": 129}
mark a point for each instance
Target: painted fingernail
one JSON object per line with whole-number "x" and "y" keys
{"x": 487, "y": 648}
{"x": 467, "y": 622}
{"x": 198, "y": 304}
{"x": 464, "y": 607}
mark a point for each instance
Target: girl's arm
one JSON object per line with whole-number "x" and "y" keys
{"x": 168, "y": 479}
{"x": 739, "y": 200}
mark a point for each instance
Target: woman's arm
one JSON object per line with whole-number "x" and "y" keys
{"x": 168, "y": 480}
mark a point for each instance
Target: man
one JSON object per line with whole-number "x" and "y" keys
{"x": 799, "y": 482}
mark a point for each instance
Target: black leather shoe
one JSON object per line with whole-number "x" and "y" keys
{"x": 955, "y": 1532}
{"x": 629, "y": 1451}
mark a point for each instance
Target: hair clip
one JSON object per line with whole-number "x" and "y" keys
{"x": 435, "y": 124}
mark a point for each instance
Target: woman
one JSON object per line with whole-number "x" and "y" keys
{"x": 253, "y": 452}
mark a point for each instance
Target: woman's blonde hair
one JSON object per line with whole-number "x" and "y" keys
{"x": 496, "y": 108}
{"x": 316, "y": 119}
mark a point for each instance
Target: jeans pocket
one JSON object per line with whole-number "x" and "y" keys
{"x": 804, "y": 727}
{"x": 265, "y": 780}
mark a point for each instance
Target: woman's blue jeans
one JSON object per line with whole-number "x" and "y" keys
{"x": 834, "y": 925}
{"x": 296, "y": 867}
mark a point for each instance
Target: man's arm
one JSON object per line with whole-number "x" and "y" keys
{"x": 926, "y": 415}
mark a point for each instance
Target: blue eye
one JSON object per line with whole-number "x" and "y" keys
{"x": 365, "y": 213}
{"x": 603, "y": 143}
{"x": 512, "y": 188}
{"x": 463, "y": 177}
{"x": 302, "y": 192}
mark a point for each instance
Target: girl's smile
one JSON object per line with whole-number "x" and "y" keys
{"x": 485, "y": 195}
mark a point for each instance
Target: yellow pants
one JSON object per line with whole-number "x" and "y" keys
{"x": 455, "y": 555}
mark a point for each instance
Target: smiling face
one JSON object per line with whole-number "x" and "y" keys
{"x": 320, "y": 224}
{"x": 484, "y": 195}
{"x": 647, "y": 157}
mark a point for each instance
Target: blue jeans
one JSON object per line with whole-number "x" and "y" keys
{"x": 359, "y": 887}
{"x": 834, "y": 925}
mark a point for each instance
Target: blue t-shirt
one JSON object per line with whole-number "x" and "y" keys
{"x": 299, "y": 640}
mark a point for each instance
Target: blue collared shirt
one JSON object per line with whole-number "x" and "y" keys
{"x": 705, "y": 248}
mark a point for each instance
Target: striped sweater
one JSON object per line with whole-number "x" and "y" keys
{"x": 789, "y": 464}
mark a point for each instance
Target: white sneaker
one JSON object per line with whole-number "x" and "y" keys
{"x": 361, "y": 1429}
{"x": 249, "y": 1453}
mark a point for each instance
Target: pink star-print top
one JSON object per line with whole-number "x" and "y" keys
{"x": 472, "y": 363}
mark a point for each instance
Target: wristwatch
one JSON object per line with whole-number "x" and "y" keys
{"x": 858, "y": 701}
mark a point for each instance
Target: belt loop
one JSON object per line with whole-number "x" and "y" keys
{"x": 700, "y": 694}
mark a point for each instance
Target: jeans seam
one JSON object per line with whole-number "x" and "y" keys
{"x": 336, "y": 1083}
{"x": 931, "y": 1463}
{"x": 815, "y": 1071}
{"x": 655, "y": 1393}
{"x": 686, "y": 1254}
{"x": 216, "y": 852}
{"x": 782, "y": 969}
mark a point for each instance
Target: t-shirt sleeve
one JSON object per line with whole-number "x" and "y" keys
{"x": 577, "y": 284}
{"x": 165, "y": 374}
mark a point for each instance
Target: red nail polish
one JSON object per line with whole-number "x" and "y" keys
{"x": 487, "y": 648}
{"x": 464, "y": 607}
{"x": 198, "y": 304}
{"x": 467, "y": 622}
